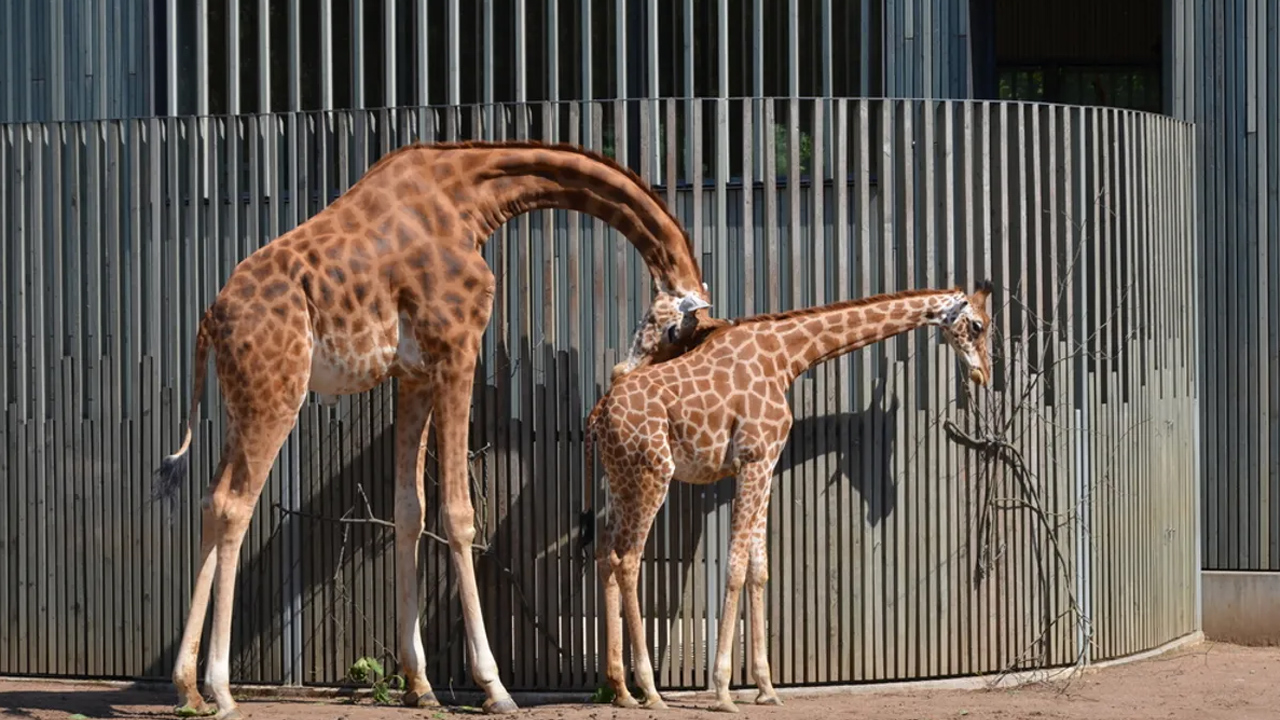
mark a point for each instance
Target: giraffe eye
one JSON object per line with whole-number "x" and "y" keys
{"x": 977, "y": 326}
{"x": 671, "y": 334}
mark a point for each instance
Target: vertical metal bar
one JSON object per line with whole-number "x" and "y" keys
{"x": 119, "y": 89}
{"x": 652, "y": 90}
{"x": 773, "y": 268}
{"x": 757, "y": 79}
{"x": 843, "y": 667}
{"x": 293, "y": 21}
{"x": 389, "y": 54}
{"x": 202, "y": 57}
{"x": 8, "y": 291}
{"x": 57, "y": 82}
{"x": 233, "y": 53}
{"x": 826, "y": 579}
{"x": 423, "y": 78}
{"x": 722, "y": 154}
{"x": 585, "y": 92}
{"x": 689, "y": 92}
{"x": 748, "y": 209}
{"x": 522, "y": 59}
{"x": 824, "y": 28}
{"x": 38, "y": 620}
{"x": 101, "y": 100}
{"x": 357, "y": 62}
{"x": 620, "y": 66}
{"x": 326, "y": 63}
{"x": 573, "y": 268}
{"x": 171, "y": 55}
{"x": 455, "y": 64}
{"x": 9, "y": 69}
{"x": 793, "y": 50}
{"x": 487, "y": 66}
{"x": 553, "y": 56}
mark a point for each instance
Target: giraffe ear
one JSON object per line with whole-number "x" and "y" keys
{"x": 982, "y": 292}
{"x": 692, "y": 303}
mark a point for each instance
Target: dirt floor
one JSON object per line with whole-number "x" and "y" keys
{"x": 1205, "y": 681}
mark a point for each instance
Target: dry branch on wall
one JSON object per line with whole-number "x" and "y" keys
{"x": 988, "y": 426}
{"x": 484, "y": 550}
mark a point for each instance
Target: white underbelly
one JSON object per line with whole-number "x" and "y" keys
{"x": 335, "y": 373}
{"x": 333, "y": 376}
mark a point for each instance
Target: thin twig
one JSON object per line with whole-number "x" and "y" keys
{"x": 370, "y": 521}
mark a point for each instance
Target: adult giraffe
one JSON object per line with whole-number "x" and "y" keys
{"x": 389, "y": 281}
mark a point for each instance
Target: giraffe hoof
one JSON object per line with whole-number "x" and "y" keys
{"x": 625, "y": 701}
{"x": 763, "y": 699}
{"x": 201, "y": 710}
{"x": 725, "y": 706}
{"x": 655, "y": 704}
{"x": 232, "y": 714}
{"x": 500, "y": 707}
{"x": 425, "y": 699}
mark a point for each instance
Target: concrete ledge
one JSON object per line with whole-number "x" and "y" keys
{"x": 1241, "y": 607}
{"x": 746, "y": 694}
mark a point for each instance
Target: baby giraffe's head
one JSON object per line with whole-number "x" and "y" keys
{"x": 966, "y": 327}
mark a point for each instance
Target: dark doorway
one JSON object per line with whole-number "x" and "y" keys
{"x": 1079, "y": 52}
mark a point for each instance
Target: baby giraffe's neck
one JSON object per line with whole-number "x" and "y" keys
{"x": 815, "y": 335}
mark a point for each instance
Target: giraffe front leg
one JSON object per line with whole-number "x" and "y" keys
{"x": 750, "y": 515}
{"x": 452, "y": 407}
{"x": 413, "y": 413}
{"x": 757, "y": 576}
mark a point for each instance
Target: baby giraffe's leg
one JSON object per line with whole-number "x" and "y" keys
{"x": 750, "y": 515}
{"x": 757, "y": 576}
{"x": 655, "y": 483}
{"x": 607, "y": 562}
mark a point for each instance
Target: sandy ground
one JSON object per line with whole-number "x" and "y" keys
{"x": 1205, "y": 681}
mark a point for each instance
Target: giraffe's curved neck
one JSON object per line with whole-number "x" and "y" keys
{"x": 815, "y": 335}
{"x": 517, "y": 180}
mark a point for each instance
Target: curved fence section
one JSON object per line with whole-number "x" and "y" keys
{"x": 918, "y": 528}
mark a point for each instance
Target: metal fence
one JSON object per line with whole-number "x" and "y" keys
{"x": 1225, "y": 81}
{"x": 1068, "y": 531}
{"x": 66, "y": 60}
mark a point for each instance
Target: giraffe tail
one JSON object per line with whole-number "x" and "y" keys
{"x": 173, "y": 468}
{"x": 587, "y": 520}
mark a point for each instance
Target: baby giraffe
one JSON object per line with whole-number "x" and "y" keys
{"x": 721, "y": 409}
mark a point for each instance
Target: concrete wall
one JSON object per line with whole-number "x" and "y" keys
{"x": 1242, "y": 607}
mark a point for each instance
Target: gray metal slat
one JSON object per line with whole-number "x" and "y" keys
{"x": 40, "y": 476}
{"x": 8, "y": 285}
{"x": 862, "y": 276}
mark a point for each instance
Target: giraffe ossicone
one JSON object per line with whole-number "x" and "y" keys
{"x": 389, "y": 281}
{"x": 721, "y": 409}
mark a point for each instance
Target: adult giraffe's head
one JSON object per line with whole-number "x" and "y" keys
{"x": 966, "y": 327}
{"x": 666, "y": 329}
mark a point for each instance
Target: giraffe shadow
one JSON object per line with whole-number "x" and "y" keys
{"x": 342, "y": 570}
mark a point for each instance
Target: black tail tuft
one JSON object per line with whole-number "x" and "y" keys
{"x": 587, "y": 532}
{"x": 168, "y": 478}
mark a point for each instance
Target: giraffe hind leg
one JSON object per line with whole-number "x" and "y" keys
{"x": 191, "y": 702}
{"x": 227, "y": 509}
{"x": 637, "y": 501}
